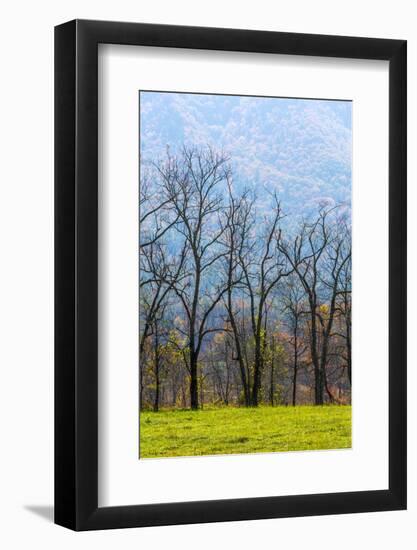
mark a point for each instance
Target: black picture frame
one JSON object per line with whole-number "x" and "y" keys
{"x": 76, "y": 272}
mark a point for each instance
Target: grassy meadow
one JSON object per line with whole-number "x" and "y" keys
{"x": 232, "y": 430}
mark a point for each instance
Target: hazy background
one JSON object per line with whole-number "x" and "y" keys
{"x": 298, "y": 147}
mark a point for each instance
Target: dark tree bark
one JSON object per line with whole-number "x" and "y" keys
{"x": 345, "y": 311}
{"x": 294, "y": 380}
{"x": 272, "y": 372}
{"x": 157, "y": 366}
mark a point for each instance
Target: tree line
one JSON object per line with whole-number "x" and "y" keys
{"x": 241, "y": 303}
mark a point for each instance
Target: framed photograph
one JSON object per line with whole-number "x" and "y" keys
{"x": 230, "y": 245}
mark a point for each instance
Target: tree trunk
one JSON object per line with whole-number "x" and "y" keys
{"x": 349, "y": 350}
{"x": 157, "y": 365}
{"x": 271, "y": 382}
{"x": 193, "y": 350}
{"x": 193, "y": 381}
{"x": 239, "y": 354}
{"x": 257, "y": 371}
{"x": 350, "y": 365}
{"x": 226, "y": 390}
{"x": 232, "y": 319}
{"x": 318, "y": 375}
{"x": 294, "y": 380}
{"x": 319, "y": 387}
{"x": 327, "y": 387}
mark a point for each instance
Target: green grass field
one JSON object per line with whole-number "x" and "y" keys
{"x": 230, "y": 430}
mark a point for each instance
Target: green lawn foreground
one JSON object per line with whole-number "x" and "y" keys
{"x": 230, "y": 430}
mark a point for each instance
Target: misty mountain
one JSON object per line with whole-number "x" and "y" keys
{"x": 298, "y": 147}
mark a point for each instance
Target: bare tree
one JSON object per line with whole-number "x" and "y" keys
{"x": 238, "y": 223}
{"x": 315, "y": 250}
{"x": 232, "y": 309}
{"x": 155, "y": 217}
{"x": 157, "y": 320}
{"x": 294, "y": 310}
{"x": 160, "y": 271}
{"x": 221, "y": 367}
{"x": 263, "y": 266}
{"x": 337, "y": 255}
{"x": 346, "y": 308}
{"x": 344, "y": 305}
{"x": 190, "y": 186}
